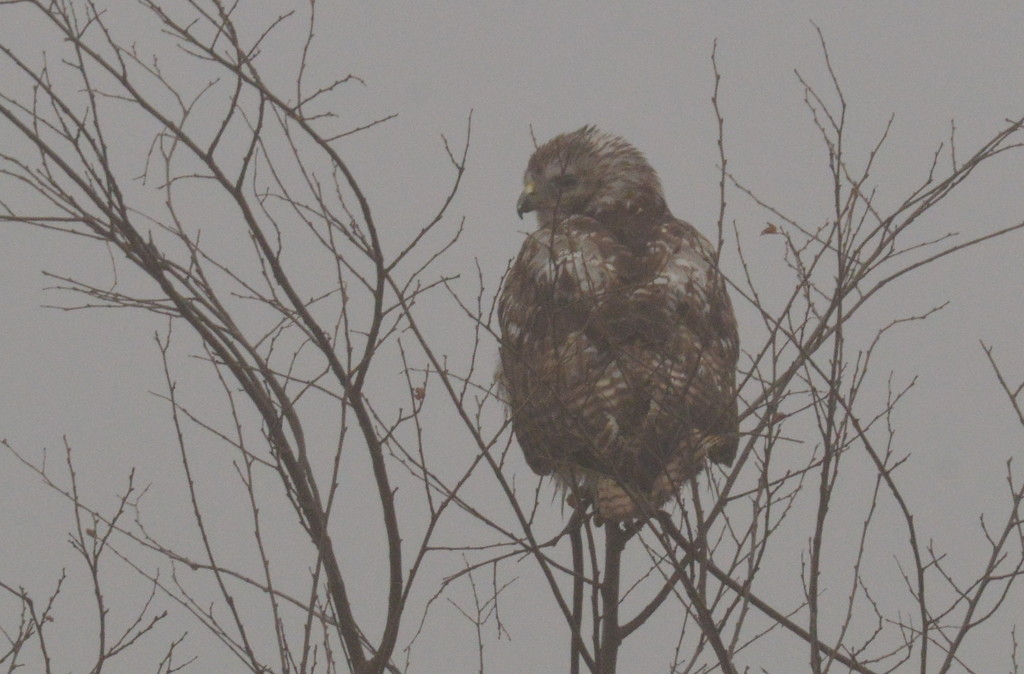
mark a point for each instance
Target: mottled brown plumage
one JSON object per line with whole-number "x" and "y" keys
{"x": 619, "y": 345}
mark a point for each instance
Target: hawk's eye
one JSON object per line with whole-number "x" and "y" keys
{"x": 564, "y": 181}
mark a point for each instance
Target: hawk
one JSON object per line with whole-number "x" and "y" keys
{"x": 619, "y": 345}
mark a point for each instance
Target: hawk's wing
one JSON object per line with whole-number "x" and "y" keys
{"x": 689, "y": 358}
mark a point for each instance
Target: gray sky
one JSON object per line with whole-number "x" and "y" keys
{"x": 641, "y": 71}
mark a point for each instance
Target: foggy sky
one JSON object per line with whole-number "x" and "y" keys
{"x": 641, "y": 71}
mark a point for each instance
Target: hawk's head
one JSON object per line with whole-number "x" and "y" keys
{"x": 590, "y": 173}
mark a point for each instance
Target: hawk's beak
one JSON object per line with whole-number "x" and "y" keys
{"x": 527, "y": 202}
